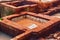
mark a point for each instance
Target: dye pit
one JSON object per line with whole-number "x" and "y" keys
{"x": 22, "y": 3}
{"x": 55, "y": 14}
{"x": 28, "y": 20}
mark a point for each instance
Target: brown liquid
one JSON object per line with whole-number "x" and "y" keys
{"x": 27, "y": 22}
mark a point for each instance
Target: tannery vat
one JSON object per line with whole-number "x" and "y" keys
{"x": 26, "y": 23}
{"x": 18, "y": 6}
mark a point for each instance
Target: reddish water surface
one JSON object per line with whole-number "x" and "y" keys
{"x": 27, "y": 22}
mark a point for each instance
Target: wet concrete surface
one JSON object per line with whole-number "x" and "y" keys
{"x": 4, "y": 36}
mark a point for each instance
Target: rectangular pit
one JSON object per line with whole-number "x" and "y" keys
{"x": 55, "y": 12}
{"x": 22, "y": 3}
{"x": 9, "y": 8}
{"x": 30, "y": 22}
{"x": 29, "y": 19}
